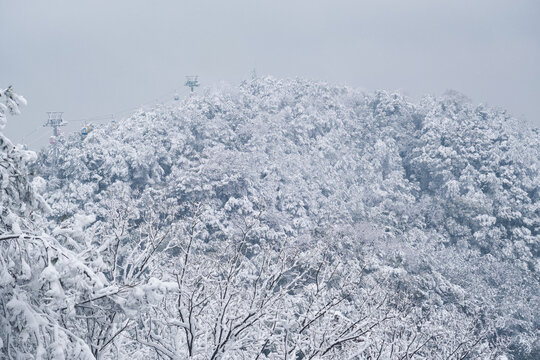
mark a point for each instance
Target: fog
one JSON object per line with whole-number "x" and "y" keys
{"x": 94, "y": 58}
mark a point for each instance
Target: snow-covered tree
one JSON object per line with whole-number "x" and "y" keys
{"x": 431, "y": 204}
{"x": 37, "y": 275}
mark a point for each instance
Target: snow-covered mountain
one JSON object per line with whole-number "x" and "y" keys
{"x": 294, "y": 217}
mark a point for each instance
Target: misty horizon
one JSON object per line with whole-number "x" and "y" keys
{"x": 100, "y": 58}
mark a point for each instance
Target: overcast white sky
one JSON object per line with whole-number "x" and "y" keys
{"x": 88, "y": 58}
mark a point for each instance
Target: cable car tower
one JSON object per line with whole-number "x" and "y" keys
{"x": 192, "y": 82}
{"x": 55, "y": 121}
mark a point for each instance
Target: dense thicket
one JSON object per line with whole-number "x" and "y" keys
{"x": 291, "y": 218}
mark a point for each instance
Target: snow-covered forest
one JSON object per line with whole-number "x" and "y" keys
{"x": 277, "y": 219}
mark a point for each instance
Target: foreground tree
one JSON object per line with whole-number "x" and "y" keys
{"x": 187, "y": 290}
{"x": 32, "y": 263}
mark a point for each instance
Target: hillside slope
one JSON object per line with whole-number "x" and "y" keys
{"x": 439, "y": 198}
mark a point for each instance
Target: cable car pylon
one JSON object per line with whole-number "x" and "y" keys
{"x": 192, "y": 82}
{"x": 55, "y": 121}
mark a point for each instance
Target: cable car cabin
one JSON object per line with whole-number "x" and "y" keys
{"x": 176, "y": 97}
{"x": 52, "y": 140}
{"x": 86, "y": 130}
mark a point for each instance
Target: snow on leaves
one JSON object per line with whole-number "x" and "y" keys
{"x": 280, "y": 219}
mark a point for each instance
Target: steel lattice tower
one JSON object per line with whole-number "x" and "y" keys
{"x": 55, "y": 121}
